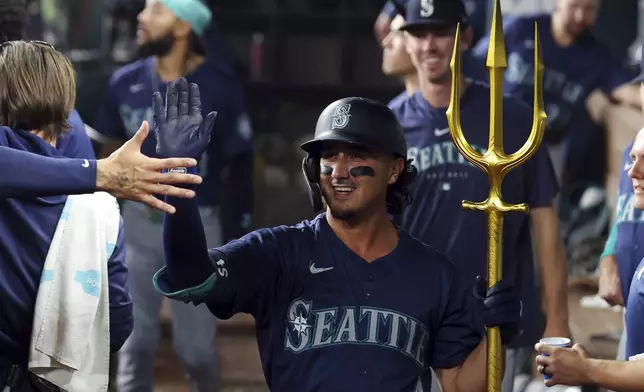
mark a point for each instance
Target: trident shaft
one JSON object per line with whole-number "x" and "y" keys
{"x": 495, "y": 163}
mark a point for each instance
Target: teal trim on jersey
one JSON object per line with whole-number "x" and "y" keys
{"x": 192, "y": 11}
{"x": 609, "y": 248}
{"x": 195, "y": 294}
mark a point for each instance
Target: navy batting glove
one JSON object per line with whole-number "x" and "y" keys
{"x": 180, "y": 130}
{"x": 501, "y": 307}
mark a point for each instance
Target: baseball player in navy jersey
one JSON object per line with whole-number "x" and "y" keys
{"x": 446, "y": 178}
{"x": 347, "y": 301}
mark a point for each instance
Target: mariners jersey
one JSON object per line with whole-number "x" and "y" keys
{"x": 630, "y": 228}
{"x": 327, "y": 320}
{"x": 446, "y": 178}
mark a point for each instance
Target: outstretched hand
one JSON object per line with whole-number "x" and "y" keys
{"x": 128, "y": 174}
{"x": 179, "y": 127}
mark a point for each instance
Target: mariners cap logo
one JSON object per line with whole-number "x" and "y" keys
{"x": 426, "y": 8}
{"x": 341, "y": 116}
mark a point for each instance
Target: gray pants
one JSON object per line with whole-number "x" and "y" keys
{"x": 515, "y": 360}
{"x": 194, "y": 328}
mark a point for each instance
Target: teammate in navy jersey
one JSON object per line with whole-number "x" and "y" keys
{"x": 576, "y": 64}
{"x": 395, "y": 59}
{"x": 169, "y": 44}
{"x": 38, "y": 92}
{"x": 346, "y": 301}
{"x": 74, "y": 143}
{"x": 446, "y": 178}
{"x": 573, "y": 366}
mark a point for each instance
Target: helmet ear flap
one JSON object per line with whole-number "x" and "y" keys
{"x": 311, "y": 171}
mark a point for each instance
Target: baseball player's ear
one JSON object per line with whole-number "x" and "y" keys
{"x": 397, "y": 168}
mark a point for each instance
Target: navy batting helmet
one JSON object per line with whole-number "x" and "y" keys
{"x": 362, "y": 122}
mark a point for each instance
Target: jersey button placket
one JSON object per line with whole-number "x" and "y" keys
{"x": 369, "y": 279}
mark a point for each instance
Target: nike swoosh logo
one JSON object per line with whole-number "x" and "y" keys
{"x": 85, "y": 163}
{"x": 315, "y": 270}
{"x": 441, "y": 132}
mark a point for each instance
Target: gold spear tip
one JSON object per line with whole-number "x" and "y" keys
{"x": 496, "y": 56}
{"x": 455, "y": 61}
{"x": 537, "y": 48}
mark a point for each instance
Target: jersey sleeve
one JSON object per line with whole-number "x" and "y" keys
{"x": 109, "y": 121}
{"x": 121, "y": 320}
{"x": 245, "y": 277}
{"x": 251, "y": 270}
{"x": 75, "y": 143}
{"x": 461, "y": 328}
{"x": 30, "y": 175}
{"x": 241, "y": 276}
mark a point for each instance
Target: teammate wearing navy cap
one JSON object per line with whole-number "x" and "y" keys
{"x": 346, "y": 301}
{"x": 446, "y": 178}
{"x": 476, "y": 10}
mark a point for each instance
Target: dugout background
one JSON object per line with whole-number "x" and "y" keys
{"x": 312, "y": 52}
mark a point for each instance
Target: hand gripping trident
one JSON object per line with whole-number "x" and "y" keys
{"x": 495, "y": 162}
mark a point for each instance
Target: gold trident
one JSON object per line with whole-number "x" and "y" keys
{"x": 495, "y": 162}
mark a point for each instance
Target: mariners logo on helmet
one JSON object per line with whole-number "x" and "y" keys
{"x": 341, "y": 116}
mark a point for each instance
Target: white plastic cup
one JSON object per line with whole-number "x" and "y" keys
{"x": 554, "y": 341}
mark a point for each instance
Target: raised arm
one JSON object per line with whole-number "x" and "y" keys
{"x": 29, "y": 175}
{"x": 220, "y": 277}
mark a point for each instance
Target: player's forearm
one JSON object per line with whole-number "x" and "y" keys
{"x": 30, "y": 175}
{"x": 619, "y": 376}
{"x": 472, "y": 377}
{"x": 552, "y": 263}
{"x": 184, "y": 244}
{"x": 554, "y": 279}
